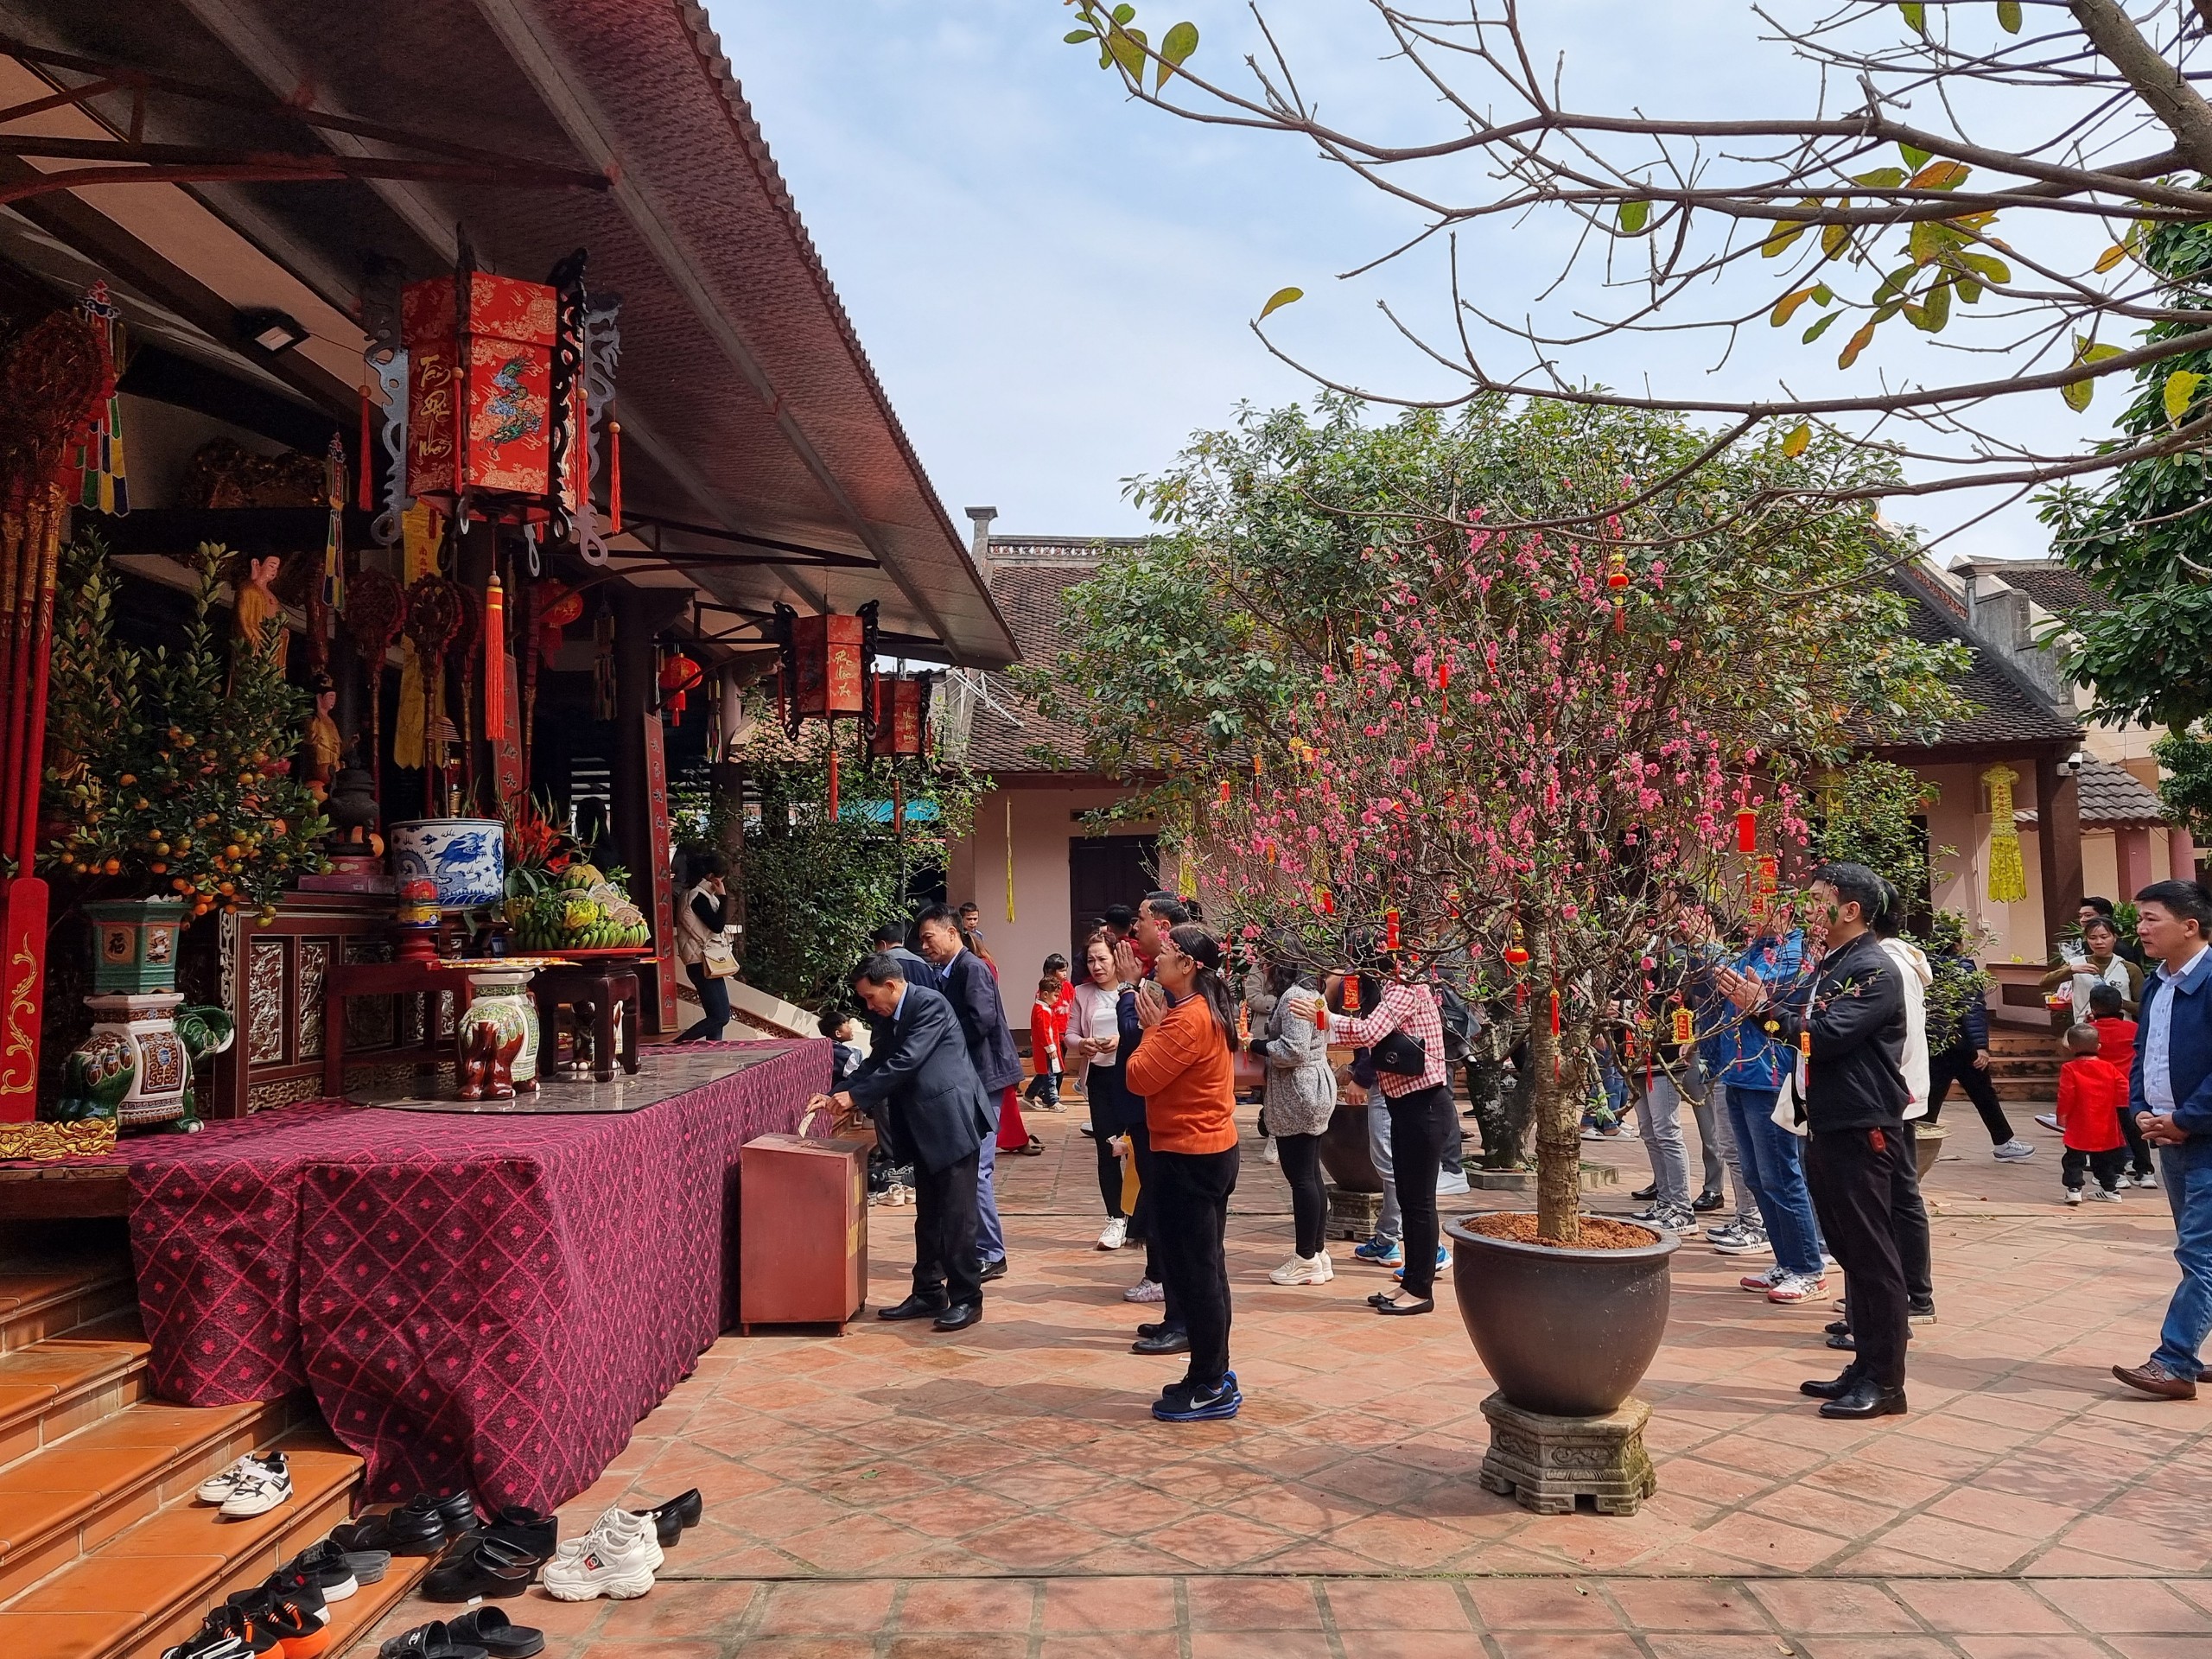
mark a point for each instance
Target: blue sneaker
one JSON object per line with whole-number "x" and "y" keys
{"x": 1180, "y": 1403}
{"x": 1381, "y": 1248}
{"x": 1443, "y": 1261}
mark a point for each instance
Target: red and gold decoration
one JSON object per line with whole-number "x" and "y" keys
{"x": 826, "y": 666}
{"x": 479, "y": 393}
{"x": 679, "y": 676}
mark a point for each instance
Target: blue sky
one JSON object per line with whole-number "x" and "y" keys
{"x": 1055, "y": 284}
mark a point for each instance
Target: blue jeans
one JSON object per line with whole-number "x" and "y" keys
{"x": 1774, "y": 1168}
{"x": 990, "y": 1238}
{"x": 2185, "y": 1172}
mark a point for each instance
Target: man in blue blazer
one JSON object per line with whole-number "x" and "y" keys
{"x": 919, "y": 1086}
{"x": 2170, "y": 1092}
{"x": 973, "y": 990}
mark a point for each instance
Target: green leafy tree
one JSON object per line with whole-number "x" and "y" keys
{"x": 170, "y": 770}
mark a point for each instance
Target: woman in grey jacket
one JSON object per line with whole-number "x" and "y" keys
{"x": 1301, "y": 1094}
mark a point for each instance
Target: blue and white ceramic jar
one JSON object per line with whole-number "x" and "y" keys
{"x": 464, "y": 858}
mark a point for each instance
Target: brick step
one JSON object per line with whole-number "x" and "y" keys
{"x": 2023, "y": 1065}
{"x": 52, "y": 1389}
{"x": 43, "y": 1296}
{"x": 152, "y": 1585}
{"x": 67, "y": 1499}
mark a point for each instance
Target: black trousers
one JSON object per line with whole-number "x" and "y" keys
{"x": 1914, "y": 1253}
{"x": 1419, "y": 1125}
{"x": 946, "y": 1263}
{"x": 1955, "y": 1064}
{"x": 1141, "y": 1223}
{"x": 714, "y": 1005}
{"x": 1309, "y": 1198}
{"x": 1103, "y": 1131}
{"x": 1860, "y": 1180}
{"x": 2138, "y": 1149}
{"x": 2108, "y": 1167}
{"x": 1190, "y": 1217}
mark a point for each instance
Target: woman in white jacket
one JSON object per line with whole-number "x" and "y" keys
{"x": 703, "y": 930}
{"x": 1301, "y": 1095}
{"x": 1093, "y": 1040}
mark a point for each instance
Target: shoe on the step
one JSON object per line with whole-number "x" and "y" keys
{"x": 521, "y": 1530}
{"x": 435, "y": 1641}
{"x": 289, "y": 1608}
{"x": 670, "y": 1519}
{"x": 416, "y": 1527}
{"x": 616, "y": 1561}
{"x": 216, "y": 1488}
{"x": 493, "y": 1631}
{"x": 493, "y": 1568}
{"x": 225, "y": 1635}
{"x": 330, "y": 1568}
{"x": 260, "y": 1491}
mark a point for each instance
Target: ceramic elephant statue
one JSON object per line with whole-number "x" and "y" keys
{"x": 204, "y": 1030}
{"x": 95, "y": 1077}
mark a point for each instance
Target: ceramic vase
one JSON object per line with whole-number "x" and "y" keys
{"x": 465, "y": 859}
{"x": 501, "y": 998}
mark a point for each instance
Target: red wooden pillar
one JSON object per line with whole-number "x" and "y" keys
{"x": 655, "y": 876}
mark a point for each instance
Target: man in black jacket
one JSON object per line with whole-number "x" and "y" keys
{"x": 1859, "y": 1164}
{"x": 919, "y": 1086}
{"x": 973, "y": 990}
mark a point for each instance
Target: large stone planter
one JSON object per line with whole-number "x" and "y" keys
{"x": 1564, "y": 1332}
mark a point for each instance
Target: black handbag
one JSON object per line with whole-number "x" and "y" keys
{"x": 1401, "y": 1053}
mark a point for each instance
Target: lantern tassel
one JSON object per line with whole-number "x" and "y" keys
{"x": 833, "y": 774}
{"x": 365, "y": 501}
{"x": 495, "y": 661}
{"x": 615, "y": 478}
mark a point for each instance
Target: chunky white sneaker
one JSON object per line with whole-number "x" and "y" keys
{"x": 2073, "y": 1195}
{"x": 260, "y": 1491}
{"x": 216, "y": 1488}
{"x": 617, "y": 1563}
{"x": 1314, "y": 1269}
{"x": 2104, "y": 1195}
{"x": 2146, "y": 1180}
{"x": 2013, "y": 1150}
{"x": 619, "y": 1529}
{"x": 1115, "y": 1236}
{"x": 1146, "y": 1290}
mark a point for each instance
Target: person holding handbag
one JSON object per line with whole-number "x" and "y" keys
{"x": 1301, "y": 1095}
{"x": 703, "y": 946}
{"x": 1404, "y": 1037}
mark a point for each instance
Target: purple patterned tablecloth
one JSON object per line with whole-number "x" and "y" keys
{"x": 488, "y": 1300}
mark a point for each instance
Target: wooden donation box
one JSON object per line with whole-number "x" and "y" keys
{"x": 803, "y": 1231}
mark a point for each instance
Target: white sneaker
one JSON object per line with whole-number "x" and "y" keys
{"x": 620, "y": 1526}
{"x": 2049, "y": 1120}
{"x": 1115, "y": 1236}
{"x": 2104, "y": 1195}
{"x": 216, "y": 1488}
{"x": 615, "y": 1558}
{"x": 1314, "y": 1269}
{"x": 1795, "y": 1288}
{"x": 2147, "y": 1182}
{"x": 2013, "y": 1150}
{"x": 260, "y": 1491}
{"x": 1146, "y": 1290}
{"x": 1270, "y": 1153}
{"x": 1765, "y": 1280}
{"x": 2073, "y": 1195}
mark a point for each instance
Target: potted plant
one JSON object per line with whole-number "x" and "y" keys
{"x": 168, "y": 796}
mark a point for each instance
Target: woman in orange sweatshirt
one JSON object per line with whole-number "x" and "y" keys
{"x": 1183, "y": 1071}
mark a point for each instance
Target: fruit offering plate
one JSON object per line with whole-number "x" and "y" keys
{"x": 513, "y": 964}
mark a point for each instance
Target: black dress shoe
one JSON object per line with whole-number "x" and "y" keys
{"x": 1152, "y": 1330}
{"x": 458, "y": 1510}
{"x": 1645, "y": 1194}
{"x": 670, "y": 1519}
{"x": 915, "y": 1307}
{"x": 491, "y": 1570}
{"x": 1426, "y": 1305}
{"x": 1164, "y": 1342}
{"x": 1707, "y": 1201}
{"x": 1834, "y": 1390}
{"x": 959, "y": 1318}
{"x": 1845, "y": 1341}
{"x": 1866, "y": 1398}
{"x": 985, "y": 1272}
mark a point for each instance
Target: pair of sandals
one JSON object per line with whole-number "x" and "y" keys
{"x": 1381, "y": 1302}
{"x": 479, "y": 1633}
{"x": 422, "y": 1526}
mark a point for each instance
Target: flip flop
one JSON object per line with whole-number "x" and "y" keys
{"x": 498, "y": 1635}
{"x": 431, "y": 1640}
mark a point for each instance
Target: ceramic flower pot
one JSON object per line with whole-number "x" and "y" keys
{"x": 1565, "y": 1332}
{"x": 1345, "y": 1152}
{"x": 465, "y": 859}
{"x": 1927, "y": 1146}
{"x": 500, "y": 1024}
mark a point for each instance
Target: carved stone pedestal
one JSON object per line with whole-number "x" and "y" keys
{"x": 1353, "y": 1214}
{"x": 1548, "y": 1462}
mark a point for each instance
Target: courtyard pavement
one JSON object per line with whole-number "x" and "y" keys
{"x": 1004, "y": 1494}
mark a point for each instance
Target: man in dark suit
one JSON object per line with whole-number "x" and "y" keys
{"x": 919, "y": 1086}
{"x": 973, "y": 990}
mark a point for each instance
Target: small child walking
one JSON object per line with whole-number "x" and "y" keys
{"x": 2116, "y": 1048}
{"x": 2092, "y": 1092}
{"x": 1048, "y": 1029}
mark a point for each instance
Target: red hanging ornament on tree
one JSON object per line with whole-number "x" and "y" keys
{"x": 1747, "y": 829}
{"x": 1390, "y": 930}
{"x": 1616, "y": 580}
{"x": 678, "y": 674}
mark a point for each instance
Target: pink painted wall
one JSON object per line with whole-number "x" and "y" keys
{"x": 1044, "y": 823}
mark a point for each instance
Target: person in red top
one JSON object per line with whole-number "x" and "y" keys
{"x": 1048, "y": 1030}
{"x": 2116, "y": 1048}
{"x": 2091, "y": 1093}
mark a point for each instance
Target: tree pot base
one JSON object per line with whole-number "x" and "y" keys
{"x": 1353, "y": 1214}
{"x": 1547, "y": 1463}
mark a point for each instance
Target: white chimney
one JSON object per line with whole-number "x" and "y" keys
{"x": 980, "y": 549}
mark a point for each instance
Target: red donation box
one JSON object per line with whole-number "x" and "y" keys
{"x": 479, "y": 385}
{"x": 803, "y": 1231}
{"x": 829, "y": 654}
{"x": 898, "y": 718}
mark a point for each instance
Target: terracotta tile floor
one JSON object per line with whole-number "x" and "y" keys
{"x": 890, "y": 1492}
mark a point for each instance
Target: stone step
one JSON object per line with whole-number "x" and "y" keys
{"x": 45, "y": 1294}
{"x": 52, "y": 1389}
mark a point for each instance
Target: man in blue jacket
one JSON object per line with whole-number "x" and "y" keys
{"x": 917, "y": 1083}
{"x": 2170, "y": 1092}
{"x": 973, "y": 990}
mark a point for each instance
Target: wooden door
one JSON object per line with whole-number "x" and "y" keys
{"x": 1105, "y": 870}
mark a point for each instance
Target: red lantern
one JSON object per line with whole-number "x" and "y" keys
{"x": 479, "y": 390}
{"x": 901, "y": 718}
{"x": 1389, "y": 930}
{"x": 828, "y": 657}
{"x": 560, "y": 606}
{"x": 1747, "y": 829}
{"x": 678, "y": 674}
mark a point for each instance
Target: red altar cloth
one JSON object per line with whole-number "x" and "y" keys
{"x": 488, "y": 1300}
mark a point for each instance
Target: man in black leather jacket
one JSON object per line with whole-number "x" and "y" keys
{"x": 1857, "y": 1161}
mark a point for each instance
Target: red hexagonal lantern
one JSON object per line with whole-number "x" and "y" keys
{"x": 901, "y": 717}
{"x": 479, "y": 390}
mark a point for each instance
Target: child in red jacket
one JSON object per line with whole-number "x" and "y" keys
{"x": 2116, "y": 1048}
{"x": 1048, "y": 1031}
{"x": 2092, "y": 1093}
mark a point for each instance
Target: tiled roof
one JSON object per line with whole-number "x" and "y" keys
{"x": 1030, "y": 577}
{"x": 2059, "y": 589}
{"x": 2112, "y": 796}
{"x": 2006, "y": 709}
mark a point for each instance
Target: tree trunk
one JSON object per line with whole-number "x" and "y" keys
{"x": 1559, "y": 1111}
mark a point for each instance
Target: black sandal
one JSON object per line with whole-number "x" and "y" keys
{"x": 498, "y": 1635}
{"x": 1427, "y": 1305}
